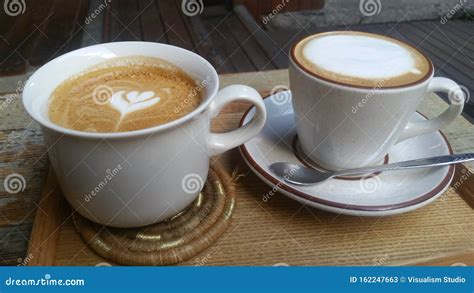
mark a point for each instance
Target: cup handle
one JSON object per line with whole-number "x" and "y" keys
{"x": 221, "y": 142}
{"x": 456, "y": 99}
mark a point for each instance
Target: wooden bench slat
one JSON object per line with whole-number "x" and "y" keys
{"x": 175, "y": 28}
{"x": 58, "y": 31}
{"x": 232, "y": 48}
{"x": 250, "y": 46}
{"x": 151, "y": 22}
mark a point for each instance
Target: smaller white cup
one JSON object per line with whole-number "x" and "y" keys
{"x": 335, "y": 136}
{"x": 136, "y": 178}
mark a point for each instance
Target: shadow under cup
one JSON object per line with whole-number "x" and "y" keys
{"x": 126, "y": 179}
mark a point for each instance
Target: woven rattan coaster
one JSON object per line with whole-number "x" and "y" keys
{"x": 173, "y": 240}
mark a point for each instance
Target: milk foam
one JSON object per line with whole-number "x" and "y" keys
{"x": 360, "y": 56}
{"x": 127, "y": 102}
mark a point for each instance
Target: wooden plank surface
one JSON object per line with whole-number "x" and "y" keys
{"x": 281, "y": 230}
{"x": 151, "y": 22}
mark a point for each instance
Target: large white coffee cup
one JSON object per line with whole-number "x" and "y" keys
{"x": 341, "y": 125}
{"x": 136, "y": 178}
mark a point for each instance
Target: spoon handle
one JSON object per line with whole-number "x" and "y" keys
{"x": 418, "y": 163}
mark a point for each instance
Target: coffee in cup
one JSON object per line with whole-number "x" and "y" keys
{"x": 158, "y": 169}
{"x": 124, "y": 94}
{"x": 361, "y": 59}
{"x": 354, "y": 93}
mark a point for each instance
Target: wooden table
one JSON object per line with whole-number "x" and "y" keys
{"x": 262, "y": 233}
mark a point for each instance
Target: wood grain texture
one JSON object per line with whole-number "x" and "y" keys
{"x": 22, "y": 152}
{"x": 45, "y": 232}
{"x": 267, "y": 230}
{"x": 463, "y": 182}
{"x": 465, "y": 258}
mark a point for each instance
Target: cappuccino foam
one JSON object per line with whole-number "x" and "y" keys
{"x": 124, "y": 94}
{"x": 361, "y": 59}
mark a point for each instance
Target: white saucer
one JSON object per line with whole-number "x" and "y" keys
{"x": 383, "y": 194}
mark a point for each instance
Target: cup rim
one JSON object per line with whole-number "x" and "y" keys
{"x": 294, "y": 60}
{"x": 124, "y": 134}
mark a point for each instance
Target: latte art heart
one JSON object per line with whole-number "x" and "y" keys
{"x": 126, "y": 94}
{"x": 127, "y": 102}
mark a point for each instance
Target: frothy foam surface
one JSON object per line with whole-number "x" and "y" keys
{"x": 361, "y": 59}
{"x": 124, "y": 94}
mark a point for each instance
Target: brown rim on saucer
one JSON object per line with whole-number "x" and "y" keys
{"x": 282, "y": 185}
{"x": 301, "y": 66}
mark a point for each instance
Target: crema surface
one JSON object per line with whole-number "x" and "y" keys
{"x": 124, "y": 94}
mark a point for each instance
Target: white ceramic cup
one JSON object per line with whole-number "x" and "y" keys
{"x": 136, "y": 178}
{"x": 342, "y": 126}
